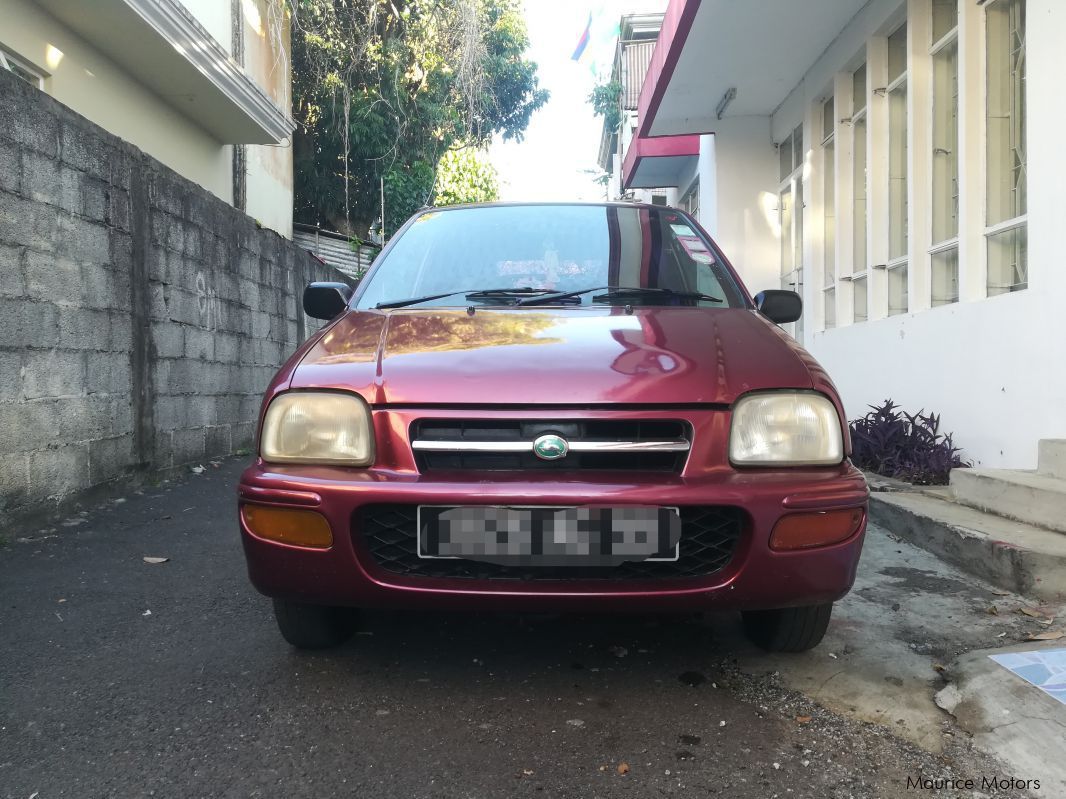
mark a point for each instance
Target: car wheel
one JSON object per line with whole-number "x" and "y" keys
{"x": 788, "y": 629}
{"x": 314, "y": 626}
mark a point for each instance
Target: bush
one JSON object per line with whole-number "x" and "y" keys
{"x": 906, "y": 446}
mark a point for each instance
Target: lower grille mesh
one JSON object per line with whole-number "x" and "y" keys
{"x": 709, "y": 537}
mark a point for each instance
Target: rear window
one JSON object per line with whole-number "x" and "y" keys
{"x": 551, "y": 247}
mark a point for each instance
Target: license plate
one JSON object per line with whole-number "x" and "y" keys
{"x": 549, "y": 536}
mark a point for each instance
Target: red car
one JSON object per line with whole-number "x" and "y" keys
{"x": 552, "y": 407}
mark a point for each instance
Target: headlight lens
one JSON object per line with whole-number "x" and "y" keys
{"x": 317, "y": 427}
{"x": 798, "y": 429}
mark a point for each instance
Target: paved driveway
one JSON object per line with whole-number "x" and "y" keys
{"x": 121, "y": 678}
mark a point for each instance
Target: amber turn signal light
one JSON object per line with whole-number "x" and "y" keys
{"x": 817, "y": 529}
{"x": 298, "y": 528}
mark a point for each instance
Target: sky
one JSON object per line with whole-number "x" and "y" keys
{"x": 556, "y": 160}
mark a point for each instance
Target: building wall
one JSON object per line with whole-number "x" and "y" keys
{"x": 987, "y": 364}
{"x": 81, "y": 77}
{"x": 141, "y": 317}
{"x": 267, "y": 61}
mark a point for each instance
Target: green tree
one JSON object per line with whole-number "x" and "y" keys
{"x": 465, "y": 175}
{"x": 383, "y": 88}
{"x": 606, "y": 102}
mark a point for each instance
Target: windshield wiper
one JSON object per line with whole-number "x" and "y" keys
{"x": 620, "y": 291}
{"x": 471, "y": 294}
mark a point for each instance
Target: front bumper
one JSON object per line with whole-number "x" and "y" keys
{"x": 755, "y": 577}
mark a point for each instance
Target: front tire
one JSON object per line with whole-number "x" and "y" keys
{"x": 314, "y": 626}
{"x": 788, "y": 629}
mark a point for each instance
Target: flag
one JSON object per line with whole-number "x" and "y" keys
{"x": 583, "y": 42}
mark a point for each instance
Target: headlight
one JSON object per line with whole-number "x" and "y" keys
{"x": 317, "y": 427}
{"x": 783, "y": 428}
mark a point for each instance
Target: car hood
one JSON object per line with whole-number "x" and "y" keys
{"x": 557, "y": 356}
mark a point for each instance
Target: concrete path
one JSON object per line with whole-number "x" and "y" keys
{"x": 123, "y": 678}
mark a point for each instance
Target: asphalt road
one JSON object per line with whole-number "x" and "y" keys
{"x": 123, "y": 678}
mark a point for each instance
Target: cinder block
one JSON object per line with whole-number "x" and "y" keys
{"x": 53, "y": 373}
{"x": 108, "y": 373}
{"x": 14, "y": 481}
{"x": 82, "y": 418}
{"x": 27, "y": 323}
{"x": 168, "y": 339}
{"x": 192, "y": 242}
{"x": 98, "y": 288}
{"x": 226, "y": 347}
{"x": 10, "y": 377}
{"x": 217, "y": 440}
{"x": 187, "y": 446}
{"x": 199, "y": 344}
{"x": 227, "y": 408}
{"x": 110, "y": 458}
{"x": 163, "y": 456}
{"x": 83, "y": 149}
{"x": 84, "y": 329}
{"x": 12, "y": 278}
{"x": 118, "y": 208}
{"x": 34, "y": 126}
{"x": 94, "y": 200}
{"x": 119, "y": 331}
{"x": 84, "y": 240}
{"x": 10, "y": 168}
{"x": 166, "y": 192}
{"x": 58, "y": 473}
{"x": 169, "y": 413}
{"x": 41, "y": 181}
{"x": 243, "y": 436}
{"x": 29, "y": 223}
{"x": 200, "y": 410}
{"x": 52, "y": 278}
{"x": 121, "y": 414}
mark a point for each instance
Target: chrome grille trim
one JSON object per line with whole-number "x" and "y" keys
{"x": 664, "y": 445}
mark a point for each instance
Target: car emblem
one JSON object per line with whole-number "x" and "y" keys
{"x": 550, "y": 447}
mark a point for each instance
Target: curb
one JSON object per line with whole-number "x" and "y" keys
{"x": 1011, "y": 555}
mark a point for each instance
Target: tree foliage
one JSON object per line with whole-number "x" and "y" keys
{"x": 383, "y": 88}
{"x": 606, "y": 100}
{"x": 465, "y": 175}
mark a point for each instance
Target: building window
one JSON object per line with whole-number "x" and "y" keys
{"x": 790, "y": 205}
{"x": 1007, "y": 202}
{"x": 829, "y": 272}
{"x": 690, "y": 203}
{"x": 859, "y": 192}
{"x": 21, "y": 69}
{"x": 945, "y": 253}
{"x": 858, "y": 292}
{"x": 898, "y": 206}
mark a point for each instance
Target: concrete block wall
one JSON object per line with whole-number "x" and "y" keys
{"x": 140, "y": 317}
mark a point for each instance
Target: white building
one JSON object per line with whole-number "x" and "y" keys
{"x": 897, "y": 162}
{"x": 201, "y": 85}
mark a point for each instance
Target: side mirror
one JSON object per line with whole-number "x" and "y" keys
{"x": 780, "y": 307}
{"x": 326, "y": 300}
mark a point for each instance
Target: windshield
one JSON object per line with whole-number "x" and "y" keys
{"x": 551, "y": 248}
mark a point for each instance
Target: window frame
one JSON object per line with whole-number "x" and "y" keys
{"x": 24, "y": 71}
{"x": 899, "y": 83}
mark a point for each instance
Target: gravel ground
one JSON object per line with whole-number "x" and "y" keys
{"x": 123, "y": 678}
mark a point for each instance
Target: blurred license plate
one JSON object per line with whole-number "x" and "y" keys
{"x": 549, "y": 536}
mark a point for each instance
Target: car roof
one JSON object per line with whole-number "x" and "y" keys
{"x": 520, "y": 204}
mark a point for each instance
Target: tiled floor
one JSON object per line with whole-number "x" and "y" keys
{"x": 1045, "y": 668}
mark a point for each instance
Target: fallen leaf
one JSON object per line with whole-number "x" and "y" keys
{"x": 148, "y": 559}
{"x": 992, "y": 610}
{"x": 938, "y": 667}
{"x": 575, "y": 722}
{"x": 623, "y": 768}
{"x": 1032, "y": 613}
{"x": 528, "y": 772}
{"x": 603, "y": 768}
{"x": 997, "y": 592}
{"x": 1048, "y": 636}
{"x": 196, "y": 469}
{"x": 803, "y": 719}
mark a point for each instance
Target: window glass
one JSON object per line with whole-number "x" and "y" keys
{"x": 829, "y": 212}
{"x": 897, "y": 173}
{"x": 1008, "y": 261}
{"x": 946, "y": 143}
{"x": 554, "y": 247}
{"x": 1006, "y": 111}
{"x": 897, "y": 290}
{"x": 897, "y": 53}
{"x": 945, "y": 18}
{"x": 828, "y": 122}
{"x": 859, "y": 194}
{"x": 859, "y": 287}
{"x": 858, "y": 89}
{"x": 945, "y": 277}
{"x": 784, "y": 152}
